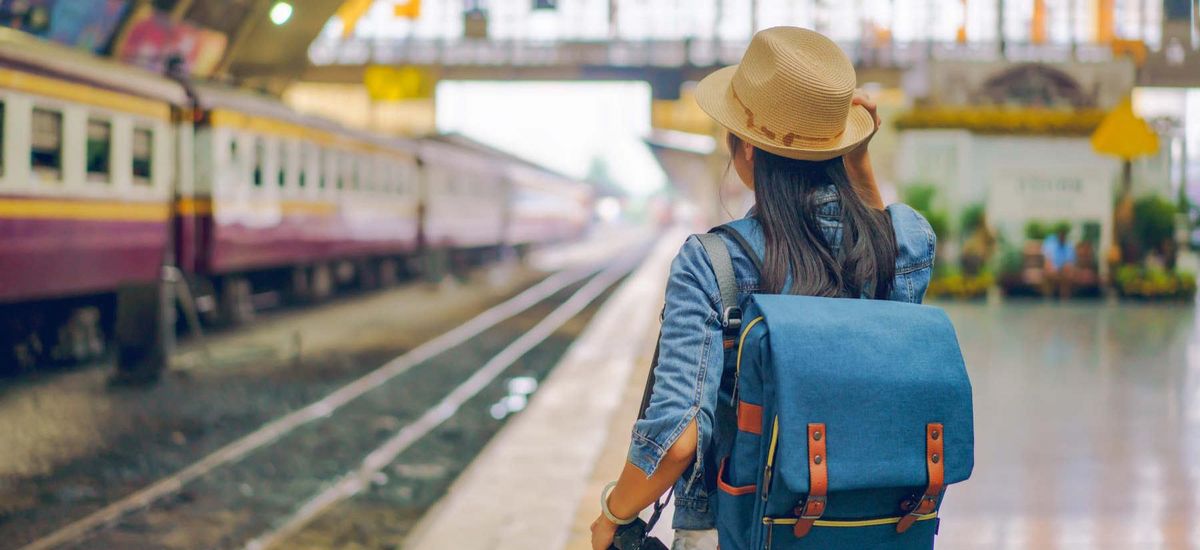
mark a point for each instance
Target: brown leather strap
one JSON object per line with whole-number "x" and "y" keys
{"x": 735, "y": 491}
{"x": 936, "y": 465}
{"x": 749, "y": 418}
{"x": 818, "y": 482}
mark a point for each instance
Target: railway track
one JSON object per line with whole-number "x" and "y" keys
{"x": 264, "y": 487}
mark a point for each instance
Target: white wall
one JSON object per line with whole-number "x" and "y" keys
{"x": 1019, "y": 178}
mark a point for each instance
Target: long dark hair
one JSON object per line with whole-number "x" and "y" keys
{"x": 785, "y": 191}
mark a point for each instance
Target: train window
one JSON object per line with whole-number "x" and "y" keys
{"x": 357, "y": 173}
{"x": 2, "y": 112}
{"x": 285, "y": 155}
{"x": 395, "y": 174}
{"x": 362, "y": 173}
{"x": 46, "y": 145}
{"x": 403, "y": 177}
{"x": 345, "y": 171}
{"x": 260, "y": 157}
{"x": 310, "y": 157}
{"x": 143, "y": 156}
{"x": 387, "y": 170}
{"x": 323, "y": 166}
{"x": 328, "y": 167}
{"x": 99, "y": 150}
{"x": 376, "y": 172}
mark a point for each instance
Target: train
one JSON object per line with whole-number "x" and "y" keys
{"x": 112, "y": 178}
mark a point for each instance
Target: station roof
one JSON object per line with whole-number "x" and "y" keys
{"x": 261, "y": 47}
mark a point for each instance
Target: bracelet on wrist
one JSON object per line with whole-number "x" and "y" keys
{"x": 608, "y": 513}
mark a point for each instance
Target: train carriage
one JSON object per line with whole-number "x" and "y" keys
{"x": 539, "y": 205}
{"x": 465, "y": 194}
{"x": 87, "y": 164}
{"x": 112, "y": 176}
{"x": 282, "y": 194}
{"x": 546, "y": 206}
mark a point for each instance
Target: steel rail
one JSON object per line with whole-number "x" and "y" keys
{"x": 323, "y": 407}
{"x": 356, "y": 480}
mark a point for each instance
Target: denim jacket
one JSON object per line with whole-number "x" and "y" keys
{"x": 691, "y": 377}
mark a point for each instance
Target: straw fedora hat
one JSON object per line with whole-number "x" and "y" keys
{"x": 791, "y": 95}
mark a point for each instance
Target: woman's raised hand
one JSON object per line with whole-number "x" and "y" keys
{"x": 861, "y": 97}
{"x": 858, "y": 162}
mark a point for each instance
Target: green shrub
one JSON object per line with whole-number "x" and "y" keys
{"x": 921, "y": 198}
{"x": 1036, "y": 231}
{"x": 972, "y": 218}
{"x": 1153, "y": 221}
{"x": 1154, "y": 283}
{"x": 1091, "y": 232}
{"x": 1062, "y": 226}
{"x": 1011, "y": 260}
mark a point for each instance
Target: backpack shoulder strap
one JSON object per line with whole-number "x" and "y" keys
{"x": 733, "y": 233}
{"x": 731, "y": 316}
{"x": 731, "y": 322}
{"x": 718, "y": 254}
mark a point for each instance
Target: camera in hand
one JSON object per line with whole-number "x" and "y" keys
{"x": 633, "y": 537}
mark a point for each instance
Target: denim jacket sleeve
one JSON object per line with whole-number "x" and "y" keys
{"x": 687, "y": 377}
{"x": 915, "y": 250}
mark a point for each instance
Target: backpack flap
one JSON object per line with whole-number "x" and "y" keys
{"x": 877, "y": 374}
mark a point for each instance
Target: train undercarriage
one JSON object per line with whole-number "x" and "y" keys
{"x": 136, "y": 326}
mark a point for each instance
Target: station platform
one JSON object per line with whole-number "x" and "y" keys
{"x": 1087, "y": 430}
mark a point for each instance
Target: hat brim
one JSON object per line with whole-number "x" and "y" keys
{"x": 715, "y": 95}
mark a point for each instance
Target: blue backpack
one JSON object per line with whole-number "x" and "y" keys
{"x": 852, "y": 418}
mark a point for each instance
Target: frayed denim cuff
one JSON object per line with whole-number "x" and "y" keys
{"x": 645, "y": 453}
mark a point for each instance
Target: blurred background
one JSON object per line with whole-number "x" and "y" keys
{"x": 275, "y": 273}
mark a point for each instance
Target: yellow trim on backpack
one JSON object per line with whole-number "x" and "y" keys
{"x": 847, "y": 523}
{"x": 742, "y": 341}
{"x": 774, "y": 441}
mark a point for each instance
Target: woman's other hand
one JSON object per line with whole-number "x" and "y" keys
{"x": 858, "y": 161}
{"x": 603, "y": 532}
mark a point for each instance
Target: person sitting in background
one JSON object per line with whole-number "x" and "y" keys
{"x": 1059, "y": 255}
{"x": 979, "y": 246}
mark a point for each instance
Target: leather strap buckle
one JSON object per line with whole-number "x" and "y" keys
{"x": 813, "y": 508}
{"x": 818, "y": 482}
{"x": 935, "y": 464}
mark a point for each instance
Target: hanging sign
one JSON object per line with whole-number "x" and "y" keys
{"x": 350, "y": 13}
{"x": 1123, "y": 134}
{"x": 408, "y": 10}
{"x": 397, "y": 83}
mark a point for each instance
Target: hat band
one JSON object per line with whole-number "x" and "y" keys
{"x": 787, "y": 140}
